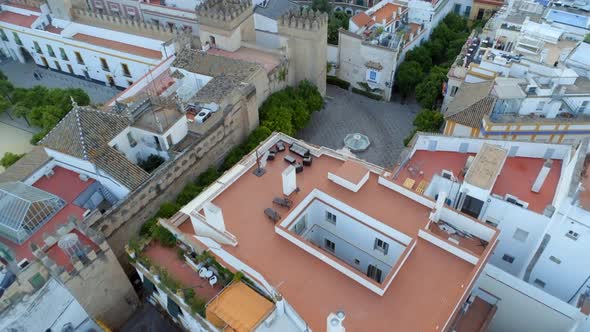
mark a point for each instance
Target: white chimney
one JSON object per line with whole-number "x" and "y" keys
{"x": 214, "y": 216}
{"x": 334, "y": 322}
{"x": 542, "y": 176}
{"x": 440, "y": 202}
{"x": 289, "y": 180}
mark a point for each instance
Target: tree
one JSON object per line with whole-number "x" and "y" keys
{"x": 279, "y": 118}
{"x": 428, "y": 120}
{"x": 422, "y": 56}
{"x": 151, "y": 163}
{"x": 409, "y": 74}
{"x": 321, "y": 5}
{"x": 336, "y": 21}
{"x": 6, "y": 89}
{"x": 10, "y": 158}
{"x": 430, "y": 89}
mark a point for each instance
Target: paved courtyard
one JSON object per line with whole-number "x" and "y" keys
{"x": 385, "y": 123}
{"x": 149, "y": 319}
{"x": 21, "y": 75}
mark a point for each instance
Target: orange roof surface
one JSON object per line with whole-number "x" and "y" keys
{"x": 18, "y": 19}
{"x": 240, "y": 307}
{"x": 362, "y": 19}
{"x": 351, "y": 171}
{"x": 385, "y": 13}
{"x": 424, "y": 294}
{"x": 516, "y": 177}
{"x": 267, "y": 60}
{"x": 127, "y": 48}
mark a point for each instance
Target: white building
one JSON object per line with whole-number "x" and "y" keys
{"x": 105, "y": 56}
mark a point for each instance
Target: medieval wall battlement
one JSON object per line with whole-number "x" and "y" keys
{"x": 224, "y": 14}
{"x": 305, "y": 19}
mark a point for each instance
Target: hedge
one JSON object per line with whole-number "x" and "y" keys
{"x": 333, "y": 80}
{"x": 367, "y": 94}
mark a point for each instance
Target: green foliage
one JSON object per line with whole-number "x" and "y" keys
{"x": 208, "y": 177}
{"x": 258, "y": 135}
{"x": 238, "y": 276}
{"x": 409, "y": 137}
{"x": 188, "y": 193}
{"x": 321, "y": 5}
{"x": 367, "y": 94}
{"x": 437, "y": 55}
{"x": 163, "y": 236}
{"x": 197, "y": 305}
{"x": 10, "y": 158}
{"x": 151, "y": 163}
{"x": 180, "y": 253}
{"x": 409, "y": 74}
{"x": 336, "y": 21}
{"x": 167, "y": 210}
{"x": 168, "y": 281}
{"x": 587, "y": 38}
{"x": 430, "y": 89}
{"x": 147, "y": 228}
{"x": 428, "y": 120}
{"x": 333, "y": 80}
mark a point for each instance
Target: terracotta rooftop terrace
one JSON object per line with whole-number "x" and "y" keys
{"x": 431, "y": 280}
{"x": 516, "y": 177}
{"x": 118, "y": 46}
{"x": 18, "y": 19}
{"x": 67, "y": 185}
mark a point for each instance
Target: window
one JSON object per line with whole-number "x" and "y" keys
{"x": 104, "y": 64}
{"x": 212, "y": 40}
{"x": 508, "y": 258}
{"x": 3, "y": 35}
{"x": 17, "y": 39}
{"x": 520, "y": 235}
{"x": 540, "y": 105}
{"x": 555, "y": 260}
{"x": 357, "y": 261}
{"x": 457, "y": 8}
{"x": 70, "y": 69}
{"x": 79, "y": 58}
{"x": 492, "y": 223}
{"x": 374, "y": 273}
{"x": 129, "y": 83}
{"x": 126, "y": 71}
{"x": 381, "y": 245}
{"x": 57, "y": 66}
{"x": 372, "y": 76}
{"x": 63, "y": 54}
{"x": 472, "y": 206}
{"x": 37, "y": 48}
{"x": 329, "y": 245}
{"x": 467, "y": 10}
{"x": 45, "y": 63}
{"x": 50, "y": 51}
{"x": 539, "y": 283}
{"x": 454, "y": 90}
{"x": 572, "y": 235}
{"x": 301, "y": 225}
{"x": 584, "y": 106}
{"x": 330, "y": 217}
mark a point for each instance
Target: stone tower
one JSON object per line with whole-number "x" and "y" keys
{"x": 224, "y": 24}
{"x": 306, "y": 33}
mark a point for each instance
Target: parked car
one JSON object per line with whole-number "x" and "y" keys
{"x": 203, "y": 116}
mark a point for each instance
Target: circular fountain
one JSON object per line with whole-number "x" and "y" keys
{"x": 357, "y": 142}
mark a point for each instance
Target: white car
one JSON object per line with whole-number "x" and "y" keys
{"x": 203, "y": 116}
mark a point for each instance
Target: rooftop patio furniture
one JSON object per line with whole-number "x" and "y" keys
{"x": 203, "y": 272}
{"x": 280, "y": 146}
{"x": 284, "y": 202}
{"x": 421, "y": 187}
{"x": 307, "y": 161}
{"x": 290, "y": 159}
{"x": 409, "y": 183}
{"x": 213, "y": 280}
{"x": 271, "y": 156}
{"x": 299, "y": 150}
{"x": 272, "y": 214}
{"x": 298, "y": 168}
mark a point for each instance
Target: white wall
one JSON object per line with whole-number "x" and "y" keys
{"x": 522, "y": 307}
{"x": 510, "y": 218}
{"x": 264, "y": 23}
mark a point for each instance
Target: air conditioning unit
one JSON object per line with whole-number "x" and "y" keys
{"x": 49, "y": 173}
{"x": 83, "y": 177}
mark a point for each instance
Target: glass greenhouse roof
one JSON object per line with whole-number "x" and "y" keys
{"x": 24, "y": 209}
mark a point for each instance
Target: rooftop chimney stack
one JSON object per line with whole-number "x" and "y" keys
{"x": 214, "y": 216}
{"x": 542, "y": 176}
{"x": 289, "y": 180}
{"x": 335, "y": 321}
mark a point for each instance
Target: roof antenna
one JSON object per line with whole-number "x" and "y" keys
{"x": 261, "y": 162}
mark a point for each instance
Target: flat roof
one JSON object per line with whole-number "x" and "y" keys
{"x": 516, "y": 177}
{"x": 240, "y": 307}
{"x": 268, "y": 60}
{"x": 65, "y": 184}
{"x": 118, "y": 46}
{"x": 18, "y": 19}
{"x": 486, "y": 166}
{"x": 351, "y": 171}
{"x": 431, "y": 280}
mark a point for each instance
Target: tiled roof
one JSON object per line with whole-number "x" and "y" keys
{"x": 468, "y": 107}
{"x": 25, "y": 166}
{"x": 119, "y": 46}
{"x": 84, "y": 133}
{"x": 472, "y": 115}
